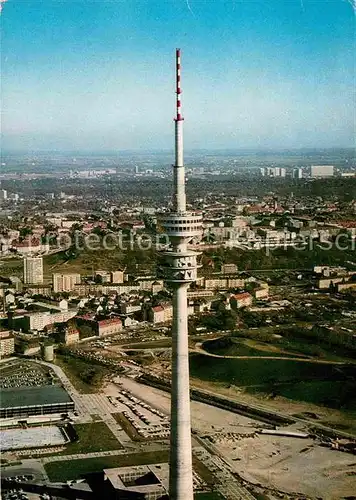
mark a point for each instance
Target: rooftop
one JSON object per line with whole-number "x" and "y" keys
{"x": 142, "y": 479}
{"x": 33, "y": 396}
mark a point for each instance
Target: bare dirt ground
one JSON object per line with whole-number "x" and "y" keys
{"x": 285, "y": 463}
{"x": 327, "y": 416}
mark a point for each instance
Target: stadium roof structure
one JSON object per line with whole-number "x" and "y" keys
{"x": 33, "y": 396}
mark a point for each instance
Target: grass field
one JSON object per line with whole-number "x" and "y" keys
{"x": 74, "y": 368}
{"x": 92, "y": 437}
{"x": 330, "y": 385}
{"x": 150, "y": 345}
{"x": 73, "y": 469}
{"x": 128, "y": 427}
{"x": 229, "y": 346}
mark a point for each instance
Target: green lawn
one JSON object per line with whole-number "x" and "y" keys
{"x": 95, "y": 436}
{"x": 154, "y": 344}
{"x": 74, "y": 368}
{"x": 230, "y": 346}
{"x": 73, "y": 469}
{"x": 128, "y": 427}
{"x": 330, "y": 385}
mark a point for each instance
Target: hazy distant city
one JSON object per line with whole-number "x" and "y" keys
{"x": 87, "y": 316}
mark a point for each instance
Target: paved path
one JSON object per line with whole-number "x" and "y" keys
{"x": 142, "y": 448}
{"x": 92, "y": 404}
{"x": 100, "y": 405}
{"x": 226, "y": 483}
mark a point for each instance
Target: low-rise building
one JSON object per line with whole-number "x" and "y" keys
{"x": 215, "y": 283}
{"x": 109, "y": 326}
{"x": 261, "y": 293}
{"x": 229, "y": 268}
{"x": 130, "y": 307}
{"x": 7, "y": 343}
{"x": 117, "y": 276}
{"x": 341, "y": 287}
{"x": 161, "y": 313}
{"x": 241, "y": 300}
{"x": 39, "y": 320}
{"x": 102, "y": 327}
{"x": 70, "y": 334}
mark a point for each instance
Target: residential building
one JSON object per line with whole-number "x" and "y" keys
{"x": 109, "y": 326}
{"x": 7, "y": 344}
{"x": 103, "y": 276}
{"x": 235, "y": 282}
{"x": 70, "y": 335}
{"x": 261, "y": 293}
{"x": 3, "y": 194}
{"x": 351, "y": 285}
{"x": 241, "y": 300}
{"x": 321, "y": 171}
{"x": 39, "y": 320}
{"x": 117, "y": 276}
{"x": 229, "y": 268}
{"x": 101, "y": 327}
{"x": 65, "y": 282}
{"x": 33, "y": 270}
{"x": 30, "y": 246}
{"x": 214, "y": 283}
{"x": 130, "y": 307}
{"x": 157, "y": 314}
{"x": 161, "y": 313}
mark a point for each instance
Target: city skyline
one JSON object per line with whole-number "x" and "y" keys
{"x": 97, "y": 76}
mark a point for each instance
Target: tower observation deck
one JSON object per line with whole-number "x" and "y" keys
{"x": 179, "y": 267}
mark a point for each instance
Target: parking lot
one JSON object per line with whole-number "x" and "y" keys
{"x": 24, "y": 375}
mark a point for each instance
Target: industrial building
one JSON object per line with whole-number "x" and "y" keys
{"x": 23, "y": 402}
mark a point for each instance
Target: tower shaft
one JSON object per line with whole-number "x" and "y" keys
{"x": 179, "y": 268}
{"x": 181, "y": 477}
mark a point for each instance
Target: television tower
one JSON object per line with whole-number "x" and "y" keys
{"x": 179, "y": 267}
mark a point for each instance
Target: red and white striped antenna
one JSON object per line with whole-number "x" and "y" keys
{"x": 178, "y": 87}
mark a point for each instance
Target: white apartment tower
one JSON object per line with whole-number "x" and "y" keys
{"x": 33, "y": 270}
{"x": 3, "y": 194}
{"x": 179, "y": 266}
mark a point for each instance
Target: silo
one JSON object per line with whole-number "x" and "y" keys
{"x": 47, "y": 352}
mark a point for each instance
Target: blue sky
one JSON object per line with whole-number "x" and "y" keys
{"x": 99, "y": 75}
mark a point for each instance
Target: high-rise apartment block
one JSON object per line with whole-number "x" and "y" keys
{"x": 33, "y": 270}
{"x": 65, "y": 282}
{"x": 3, "y": 194}
{"x": 297, "y": 173}
{"x": 273, "y": 172}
